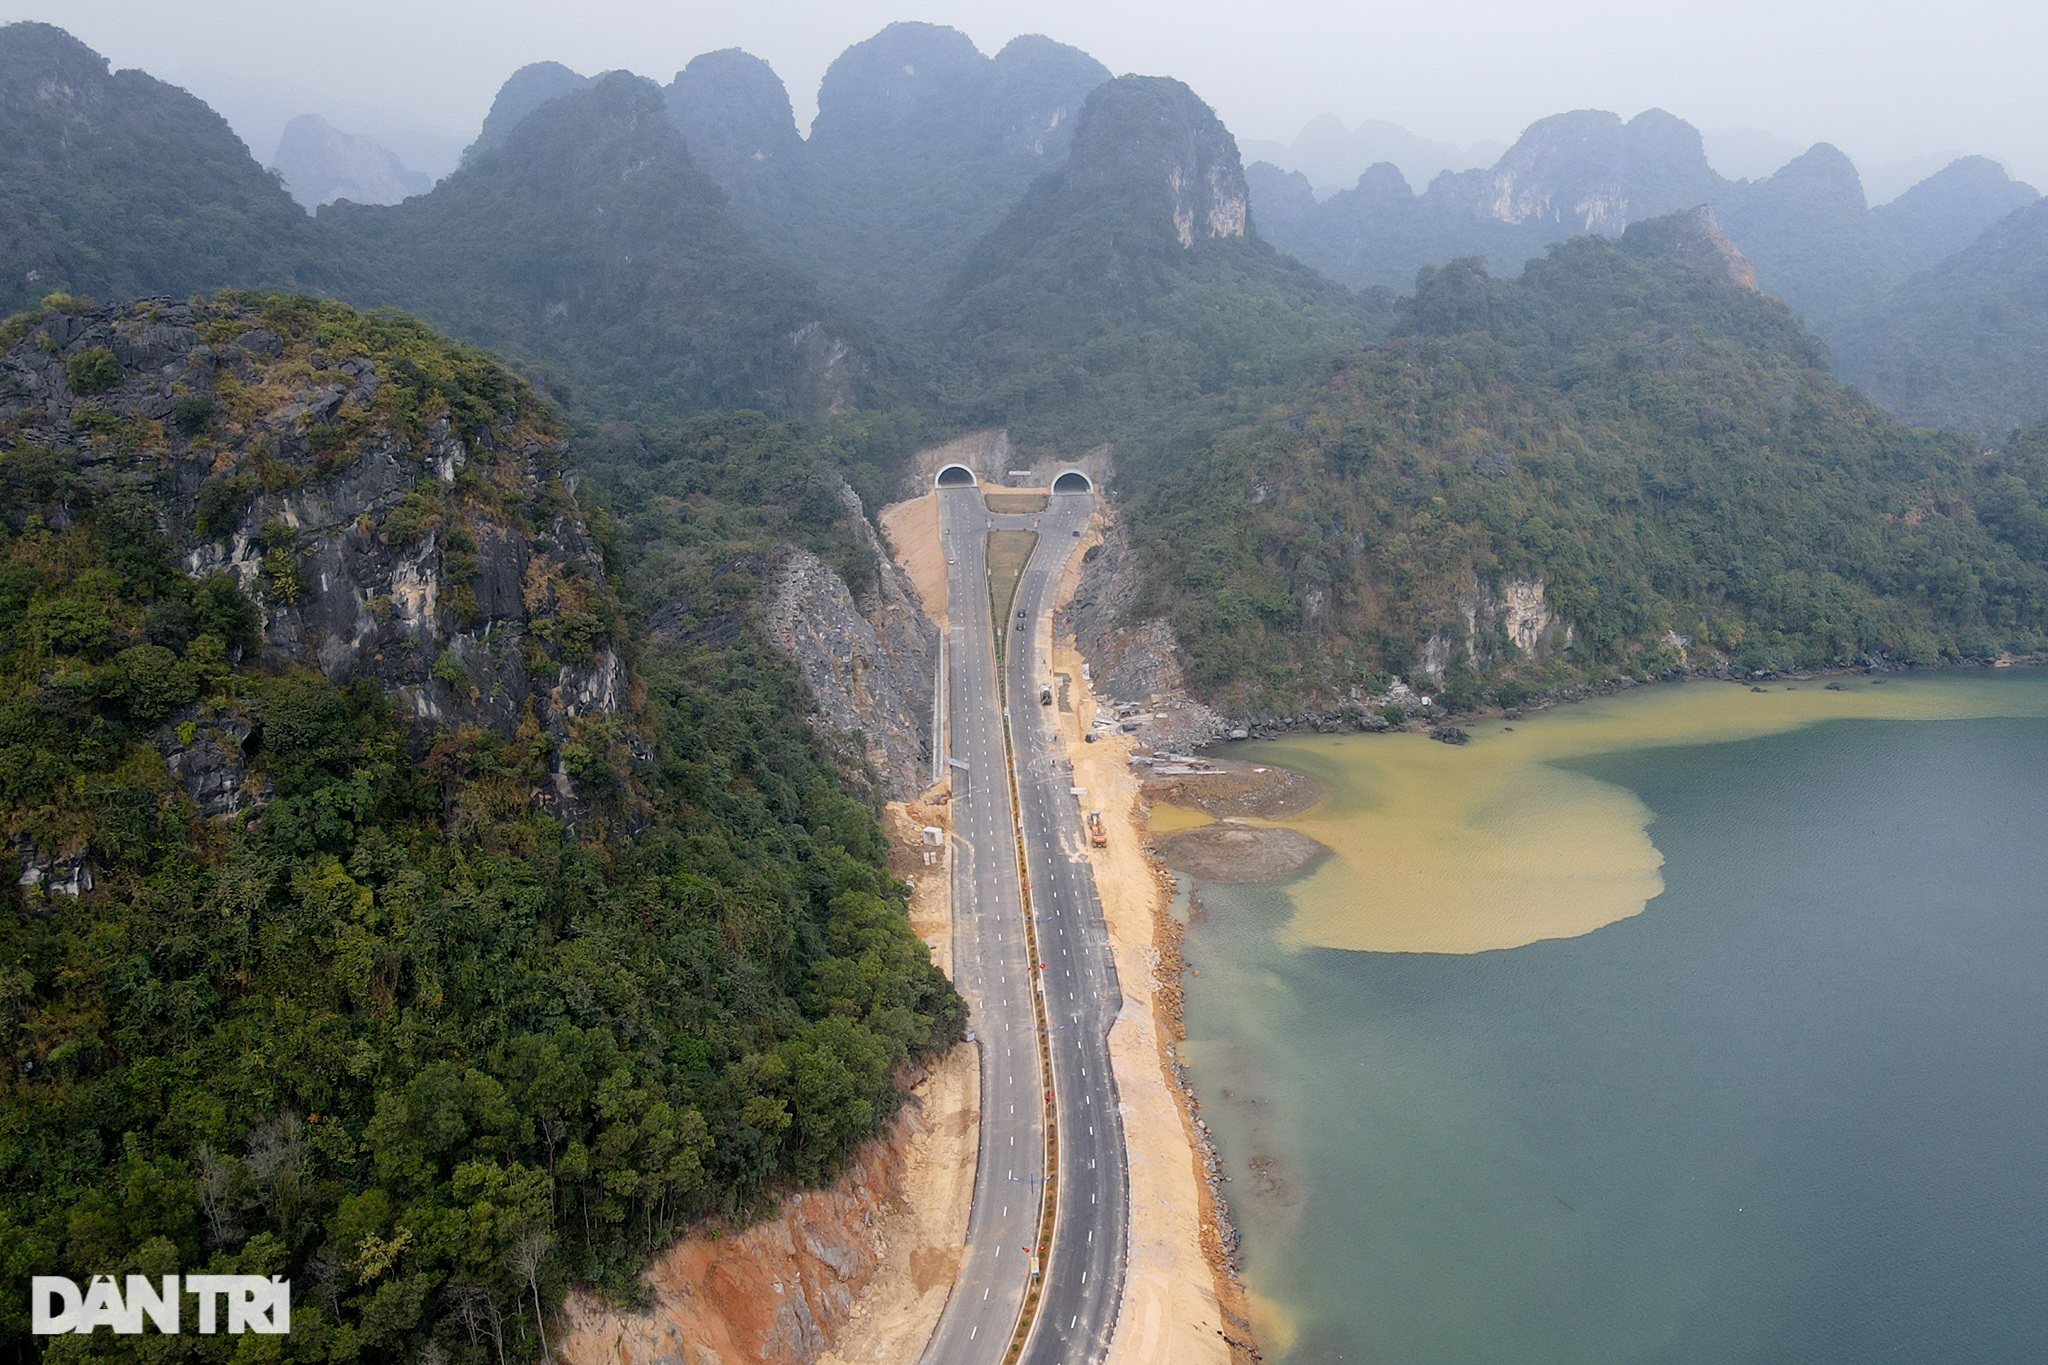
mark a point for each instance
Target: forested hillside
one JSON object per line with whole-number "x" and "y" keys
{"x": 1126, "y": 297}
{"x": 1617, "y": 463}
{"x": 118, "y": 185}
{"x": 586, "y": 241}
{"x": 1964, "y": 344}
{"x": 399, "y": 920}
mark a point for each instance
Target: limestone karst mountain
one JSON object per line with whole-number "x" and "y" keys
{"x": 920, "y": 145}
{"x": 116, "y": 184}
{"x": 1630, "y": 444}
{"x": 1813, "y": 239}
{"x": 1964, "y": 344}
{"x": 323, "y": 704}
{"x": 524, "y": 91}
{"x": 588, "y": 241}
{"x": 321, "y": 163}
{"x": 1133, "y": 269}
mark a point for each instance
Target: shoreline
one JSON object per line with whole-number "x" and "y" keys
{"x": 1183, "y": 1300}
{"x": 1359, "y": 716}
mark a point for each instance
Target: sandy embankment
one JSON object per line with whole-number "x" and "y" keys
{"x": 1181, "y": 1304}
{"x": 912, "y": 530}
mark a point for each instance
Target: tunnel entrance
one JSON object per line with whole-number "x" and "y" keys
{"x": 956, "y": 476}
{"x": 1073, "y": 481}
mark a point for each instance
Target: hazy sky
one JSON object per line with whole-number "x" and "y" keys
{"x": 1885, "y": 80}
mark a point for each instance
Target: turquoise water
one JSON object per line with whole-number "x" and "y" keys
{"x": 1795, "y": 1111}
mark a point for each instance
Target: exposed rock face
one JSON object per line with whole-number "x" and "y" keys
{"x": 1695, "y": 238}
{"x": 210, "y": 761}
{"x": 321, "y": 163}
{"x": 1579, "y": 172}
{"x": 1151, "y": 139}
{"x": 1133, "y": 661}
{"x": 870, "y": 666}
{"x": 451, "y": 568}
{"x": 776, "y": 1293}
{"x": 1512, "y": 610}
{"x": 1497, "y": 622}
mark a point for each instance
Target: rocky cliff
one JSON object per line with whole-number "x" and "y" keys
{"x": 1695, "y": 238}
{"x": 870, "y": 664}
{"x": 383, "y": 532}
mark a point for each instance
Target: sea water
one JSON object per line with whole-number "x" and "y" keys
{"x": 1765, "y": 1084}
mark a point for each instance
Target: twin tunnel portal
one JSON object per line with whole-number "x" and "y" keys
{"x": 1041, "y": 1278}
{"x": 960, "y": 476}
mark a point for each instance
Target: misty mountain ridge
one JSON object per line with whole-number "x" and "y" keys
{"x": 320, "y": 163}
{"x": 587, "y": 240}
{"x": 117, "y": 183}
{"x": 1964, "y": 344}
{"x": 1332, "y": 156}
{"x": 1813, "y": 238}
{"x": 792, "y": 272}
{"x": 920, "y": 144}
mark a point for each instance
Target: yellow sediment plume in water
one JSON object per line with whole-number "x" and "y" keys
{"x": 1167, "y": 818}
{"x": 1272, "y": 1324}
{"x": 1492, "y": 845}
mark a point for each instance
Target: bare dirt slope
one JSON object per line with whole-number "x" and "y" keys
{"x": 912, "y": 529}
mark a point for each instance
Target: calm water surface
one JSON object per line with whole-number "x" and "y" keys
{"x": 1795, "y": 1110}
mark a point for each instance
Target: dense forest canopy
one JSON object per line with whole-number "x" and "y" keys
{"x": 392, "y": 1029}
{"x": 1663, "y": 451}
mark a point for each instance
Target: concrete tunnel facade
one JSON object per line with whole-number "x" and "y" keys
{"x": 955, "y": 476}
{"x": 1073, "y": 481}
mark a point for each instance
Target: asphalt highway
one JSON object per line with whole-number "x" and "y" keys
{"x": 1083, "y": 1266}
{"x": 991, "y": 967}
{"x": 1084, "y": 1273}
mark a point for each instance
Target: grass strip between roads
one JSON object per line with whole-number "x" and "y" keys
{"x": 1048, "y": 1188}
{"x": 1008, "y": 553}
{"x": 1015, "y": 502}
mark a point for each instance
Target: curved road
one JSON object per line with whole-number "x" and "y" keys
{"x": 1085, "y": 1271}
{"x": 1084, "y": 1264}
